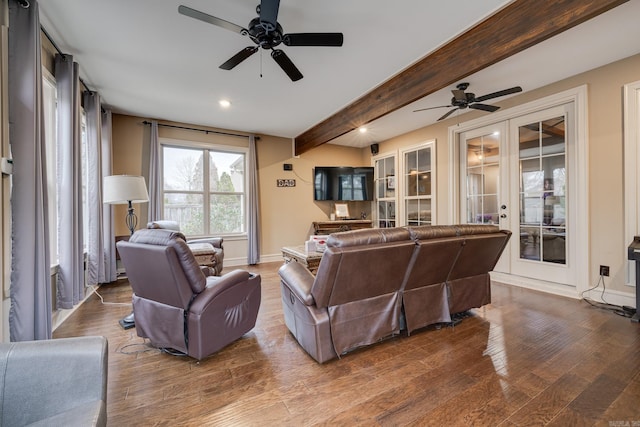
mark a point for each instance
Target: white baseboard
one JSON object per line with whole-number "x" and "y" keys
{"x": 610, "y": 296}
{"x": 234, "y": 262}
{"x": 60, "y": 315}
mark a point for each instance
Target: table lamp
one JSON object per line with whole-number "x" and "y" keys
{"x": 125, "y": 189}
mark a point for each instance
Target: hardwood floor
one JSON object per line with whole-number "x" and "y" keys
{"x": 527, "y": 359}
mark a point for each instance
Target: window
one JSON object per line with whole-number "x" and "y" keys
{"x": 406, "y": 197}
{"x": 49, "y": 94}
{"x": 204, "y": 189}
{"x": 85, "y": 179}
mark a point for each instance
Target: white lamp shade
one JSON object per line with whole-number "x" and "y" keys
{"x": 121, "y": 189}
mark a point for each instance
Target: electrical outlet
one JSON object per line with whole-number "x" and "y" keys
{"x": 604, "y": 270}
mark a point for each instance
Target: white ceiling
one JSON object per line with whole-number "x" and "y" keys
{"x": 147, "y": 60}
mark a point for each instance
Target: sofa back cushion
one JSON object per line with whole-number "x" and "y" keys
{"x": 480, "y": 253}
{"x": 368, "y": 236}
{"x": 433, "y": 261}
{"x": 362, "y": 264}
{"x": 426, "y": 232}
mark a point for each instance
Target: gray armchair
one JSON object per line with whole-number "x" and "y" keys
{"x": 177, "y": 304}
{"x": 60, "y": 382}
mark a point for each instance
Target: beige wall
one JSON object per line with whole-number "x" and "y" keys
{"x": 286, "y": 214}
{"x": 605, "y": 167}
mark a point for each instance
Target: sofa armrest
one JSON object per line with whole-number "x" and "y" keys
{"x": 46, "y": 379}
{"x": 207, "y": 271}
{"x": 216, "y": 242}
{"x": 300, "y": 280}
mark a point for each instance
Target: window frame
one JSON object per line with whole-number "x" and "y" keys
{"x": 207, "y": 147}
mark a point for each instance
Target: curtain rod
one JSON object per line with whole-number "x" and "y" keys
{"x": 55, "y": 46}
{"x": 201, "y": 130}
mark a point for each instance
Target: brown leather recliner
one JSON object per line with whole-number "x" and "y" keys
{"x": 176, "y": 305}
{"x": 207, "y": 250}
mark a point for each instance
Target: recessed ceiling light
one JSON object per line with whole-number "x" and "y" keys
{"x": 224, "y": 103}
{"x": 362, "y": 129}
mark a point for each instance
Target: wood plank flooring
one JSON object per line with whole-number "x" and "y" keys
{"x": 527, "y": 359}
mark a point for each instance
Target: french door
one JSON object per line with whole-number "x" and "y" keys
{"x": 516, "y": 174}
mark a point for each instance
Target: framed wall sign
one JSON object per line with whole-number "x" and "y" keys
{"x": 342, "y": 210}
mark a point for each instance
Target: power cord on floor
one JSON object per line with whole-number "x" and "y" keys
{"x": 604, "y": 305}
{"x": 94, "y": 289}
{"x": 146, "y": 347}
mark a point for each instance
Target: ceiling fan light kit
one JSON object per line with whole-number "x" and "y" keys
{"x": 462, "y": 100}
{"x": 267, "y": 33}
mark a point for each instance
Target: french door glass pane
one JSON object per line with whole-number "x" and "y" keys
{"x": 542, "y": 191}
{"x": 483, "y": 154}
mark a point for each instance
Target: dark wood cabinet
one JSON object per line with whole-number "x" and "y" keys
{"x": 328, "y": 227}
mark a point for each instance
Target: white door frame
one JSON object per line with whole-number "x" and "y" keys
{"x": 577, "y": 96}
{"x": 631, "y": 173}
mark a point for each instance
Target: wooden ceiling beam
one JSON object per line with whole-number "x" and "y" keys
{"x": 512, "y": 29}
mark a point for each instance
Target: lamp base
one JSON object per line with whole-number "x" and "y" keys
{"x": 127, "y": 322}
{"x": 132, "y": 219}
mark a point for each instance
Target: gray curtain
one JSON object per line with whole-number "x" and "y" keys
{"x": 70, "y": 278}
{"x": 155, "y": 192}
{"x": 96, "y": 257}
{"x": 108, "y": 230}
{"x": 30, "y": 312}
{"x": 253, "y": 206}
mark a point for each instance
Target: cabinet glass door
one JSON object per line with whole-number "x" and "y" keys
{"x": 418, "y": 186}
{"x": 385, "y": 183}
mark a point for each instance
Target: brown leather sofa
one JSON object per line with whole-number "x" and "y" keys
{"x": 373, "y": 283}
{"x": 179, "y": 305}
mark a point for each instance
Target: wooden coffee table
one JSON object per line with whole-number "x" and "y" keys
{"x": 311, "y": 260}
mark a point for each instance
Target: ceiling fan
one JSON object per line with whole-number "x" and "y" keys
{"x": 462, "y": 100}
{"x": 267, "y": 33}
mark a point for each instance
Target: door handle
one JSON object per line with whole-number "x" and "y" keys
{"x": 503, "y": 215}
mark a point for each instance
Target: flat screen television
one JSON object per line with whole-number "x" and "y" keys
{"x": 342, "y": 183}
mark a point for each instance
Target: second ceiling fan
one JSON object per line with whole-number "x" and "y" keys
{"x": 267, "y": 33}
{"x": 462, "y": 100}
